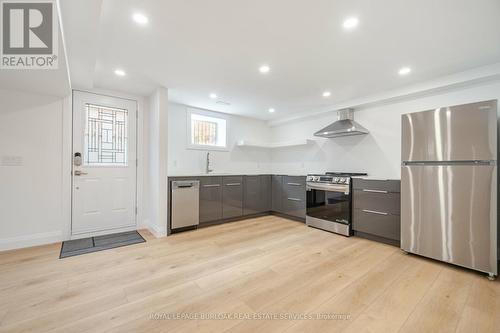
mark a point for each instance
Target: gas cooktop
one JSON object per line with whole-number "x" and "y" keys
{"x": 334, "y": 177}
{"x": 346, "y": 174}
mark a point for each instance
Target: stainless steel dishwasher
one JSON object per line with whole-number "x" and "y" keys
{"x": 185, "y": 203}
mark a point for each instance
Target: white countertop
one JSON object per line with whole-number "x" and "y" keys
{"x": 373, "y": 178}
{"x": 231, "y": 174}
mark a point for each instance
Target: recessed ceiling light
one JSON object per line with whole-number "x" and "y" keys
{"x": 327, "y": 94}
{"x": 271, "y": 110}
{"x": 350, "y": 23}
{"x": 213, "y": 96}
{"x": 120, "y": 72}
{"x": 264, "y": 69}
{"x": 404, "y": 71}
{"x": 140, "y": 18}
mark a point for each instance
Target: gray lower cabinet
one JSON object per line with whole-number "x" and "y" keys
{"x": 251, "y": 197}
{"x": 210, "y": 199}
{"x": 232, "y": 196}
{"x": 257, "y": 194}
{"x": 382, "y": 225}
{"x": 376, "y": 209}
{"x": 229, "y": 197}
{"x": 294, "y": 196}
{"x": 277, "y": 194}
{"x": 266, "y": 193}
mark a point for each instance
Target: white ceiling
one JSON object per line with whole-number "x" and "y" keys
{"x": 52, "y": 82}
{"x": 198, "y": 47}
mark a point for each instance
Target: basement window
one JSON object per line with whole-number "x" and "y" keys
{"x": 207, "y": 130}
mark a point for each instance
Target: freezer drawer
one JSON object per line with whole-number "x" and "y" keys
{"x": 376, "y": 223}
{"x": 457, "y": 133}
{"x": 378, "y": 201}
{"x": 448, "y": 212}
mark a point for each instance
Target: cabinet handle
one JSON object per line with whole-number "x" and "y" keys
{"x": 374, "y": 212}
{"x": 212, "y": 185}
{"x": 294, "y": 184}
{"x": 233, "y": 184}
{"x": 294, "y": 199}
{"x": 375, "y": 191}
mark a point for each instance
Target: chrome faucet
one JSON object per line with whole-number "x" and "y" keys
{"x": 208, "y": 170}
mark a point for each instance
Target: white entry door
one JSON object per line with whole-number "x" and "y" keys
{"x": 104, "y": 164}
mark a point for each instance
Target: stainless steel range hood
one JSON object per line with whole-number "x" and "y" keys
{"x": 343, "y": 127}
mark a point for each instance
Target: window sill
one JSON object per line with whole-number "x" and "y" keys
{"x": 207, "y": 148}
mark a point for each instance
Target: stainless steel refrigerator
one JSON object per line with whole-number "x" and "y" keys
{"x": 449, "y": 185}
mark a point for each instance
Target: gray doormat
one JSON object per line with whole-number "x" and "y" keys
{"x": 76, "y": 247}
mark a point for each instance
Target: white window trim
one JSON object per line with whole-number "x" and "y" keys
{"x": 189, "y": 145}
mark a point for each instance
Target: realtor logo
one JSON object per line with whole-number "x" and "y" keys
{"x": 29, "y": 35}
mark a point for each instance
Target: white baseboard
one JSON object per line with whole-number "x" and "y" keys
{"x": 157, "y": 231}
{"x": 143, "y": 224}
{"x": 102, "y": 232}
{"x": 31, "y": 240}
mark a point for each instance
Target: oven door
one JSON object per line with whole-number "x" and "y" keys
{"x": 331, "y": 203}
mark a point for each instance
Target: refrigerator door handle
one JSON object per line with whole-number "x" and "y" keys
{"x": 448, "y": 163}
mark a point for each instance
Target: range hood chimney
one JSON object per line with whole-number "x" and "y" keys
{"x": 345, "y": 126}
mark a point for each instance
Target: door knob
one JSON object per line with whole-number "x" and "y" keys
{"x": 80, "y": 173}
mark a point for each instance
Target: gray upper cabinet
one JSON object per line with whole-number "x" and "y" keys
{"x": 257, "y": 194}
{"x": 294, "y": 196}
{"x": 210, "y": 199}
{"x": 277, "y": 193}
{"x": 232, "y": 196}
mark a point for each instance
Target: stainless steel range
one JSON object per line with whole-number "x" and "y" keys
{"x": 329, "y": 201}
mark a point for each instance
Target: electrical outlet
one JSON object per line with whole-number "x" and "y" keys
{"x": 10, "y": 160}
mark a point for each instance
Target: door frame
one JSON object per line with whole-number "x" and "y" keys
{"x": 139, "y": 157}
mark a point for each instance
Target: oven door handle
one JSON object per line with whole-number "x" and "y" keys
{"x": 329, "y": 188}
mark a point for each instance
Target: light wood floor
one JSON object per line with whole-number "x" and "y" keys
{"x": 267, "y": 265}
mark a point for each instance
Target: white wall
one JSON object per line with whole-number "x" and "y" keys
{"x": 183, "y": 161}
{"x": 378, "y": 153}
{"x": 33, "y": 192}
{"x": 155, "y": 177}
{"x": 35, "y": 130}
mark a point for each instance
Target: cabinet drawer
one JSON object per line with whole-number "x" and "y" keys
{"x": 295, "y": 193}
{"x": 377, "y": 185}
{"x": 377, "y": 201}
{"x": 387, "y": 226}
{"x": 294, "y": 207}
{"x": 294, "y": 181}
{"x": 210, "y": 181}
{"x": 232, "y": 180}
{"x": 294, "y": 187}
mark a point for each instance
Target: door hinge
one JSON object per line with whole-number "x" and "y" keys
{"x": 135, "y": 210}
{"x": 136, "y": 162}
